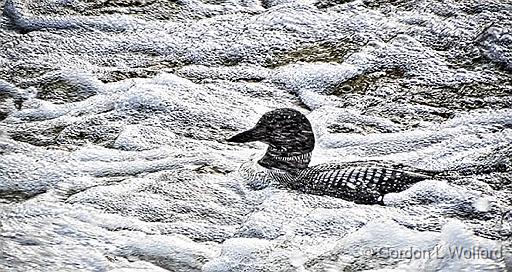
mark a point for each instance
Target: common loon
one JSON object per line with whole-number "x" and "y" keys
{"x": 290, "y": 140}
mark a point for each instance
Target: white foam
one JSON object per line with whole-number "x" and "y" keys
{"x": 15, "y": 11}
{"x": 116, "y": 157}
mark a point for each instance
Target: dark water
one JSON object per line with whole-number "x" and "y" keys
{"x": 114, "y": 114}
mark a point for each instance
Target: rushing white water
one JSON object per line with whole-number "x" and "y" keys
{"x": 114, "y": 116}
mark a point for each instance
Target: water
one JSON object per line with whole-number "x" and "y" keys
{"x": 114, "y": 115}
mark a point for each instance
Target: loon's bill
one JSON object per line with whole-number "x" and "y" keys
{"x": 291, "y": 140}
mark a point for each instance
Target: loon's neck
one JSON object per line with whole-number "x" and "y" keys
{"x": 291, "y": 163}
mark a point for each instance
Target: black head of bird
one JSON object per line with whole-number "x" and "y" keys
{"x": 289, "y": 136}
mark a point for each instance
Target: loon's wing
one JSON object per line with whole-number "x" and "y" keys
{"x": 362, "y": 182}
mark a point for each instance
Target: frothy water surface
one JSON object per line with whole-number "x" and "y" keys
{"x": 114, "y": 116}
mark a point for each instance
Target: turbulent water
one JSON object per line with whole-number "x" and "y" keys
{"x": 114, "y": 115}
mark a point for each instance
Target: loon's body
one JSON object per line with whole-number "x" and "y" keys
{"x": 291, "y": 141}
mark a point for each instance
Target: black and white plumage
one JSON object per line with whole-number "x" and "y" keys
{"x": 290, "y": 140}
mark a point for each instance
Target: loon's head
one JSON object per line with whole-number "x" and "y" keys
{"x": 289, "y": 136}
